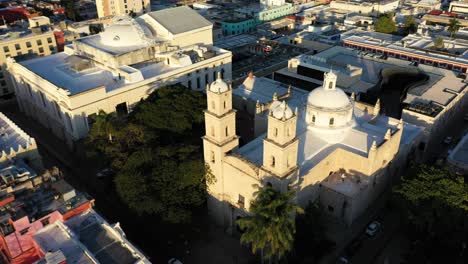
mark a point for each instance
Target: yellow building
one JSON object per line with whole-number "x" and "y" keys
{"x": 322, "y": 144}
{"x": 34, "y": 41}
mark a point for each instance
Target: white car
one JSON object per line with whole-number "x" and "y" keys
{"x": 448, "y": 140}
{"x": 373, "y": 228}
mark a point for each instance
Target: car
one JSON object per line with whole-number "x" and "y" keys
{"x": 174, "y": 261}
{"x": 373, "y": 228}
{"x": 105, "y": 173}
{"x": 343, "y": 260}
{"x": 448, "y": 140}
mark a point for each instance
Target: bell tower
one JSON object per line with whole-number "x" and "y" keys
{"x": 220, "y": 135}
{"x": 281, "y": 144}
{"x": 329, "y": 81}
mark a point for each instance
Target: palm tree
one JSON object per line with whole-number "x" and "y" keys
{"x": 104, "y": 124}
{"x": 271, "y": 226}
{"x": 453, "y": 27}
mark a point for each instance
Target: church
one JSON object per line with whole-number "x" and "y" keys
{"x": 323, "y": 144}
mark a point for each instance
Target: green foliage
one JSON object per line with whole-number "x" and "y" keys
{"x": 439, "y": 43}
{"x": 385, "y": 24}
{"x": 157, "y": 153}
{"x": 410, "y": 24}
{"x": 271, "y": 226}
{"x": 454, "y": 26}
{"x": 436, "y": 204}
{"x": 310, "y": 237}
{"x": 70, "y": 11}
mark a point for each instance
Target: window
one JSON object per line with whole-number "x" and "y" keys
{"x": 212, "y": 156}
{"x": 272, "y": 162}
{"x": 45, "y": 221}
{"x": 241, "y": 201}
{"x": 198, "y": 82}
{"x": 224, "y": 104}
{"x": 28, "y": 44}
{"x": 51, "y": 48}
{"x": 206, "y": 79}
{"x": 332, "y": 121}
{"x": 313, "y": 119}
{"x": 189, "y": 84}
{"x": 17, "y": 46}
{"x": 39, "y": 42}
{"x": 330, "y": 208}
{"x": 330, "y": 85}
{"x": 121, "y": 109}
{"x": 6, "y": 49}
{"x": 227, "y": 131}
{"x": 41, "y": 50}
{"x": 49, "y": 40}
{"x": 222, "y": 73}
{"x": 43, "y": 99}
{"x": 275, "y": 133}
{"x": 214, "y": 75}
{"x": 24, "y": 231}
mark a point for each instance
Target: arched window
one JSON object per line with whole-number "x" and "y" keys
{"x": 227, "y": 131}
{"x": 272, "y": 163}
{"x": 275, "y": 133}
{"x": 332, "y": 121}
{"x": 330, "y": 85}
{"x": 313, "y": 119}
{"x": 224, "y": 104}
{"x": 212, "y": 132}
{"x": 212, "y": 157}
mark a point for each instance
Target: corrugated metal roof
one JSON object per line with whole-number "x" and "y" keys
{"x": 180, "y": 19}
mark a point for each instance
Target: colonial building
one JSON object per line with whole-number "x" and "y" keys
{"x": 115, "y": 69}
{"x": 322, "y": 144}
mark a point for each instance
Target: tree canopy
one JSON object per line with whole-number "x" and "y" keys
{"x": 385, "y": 24}
{"x": 410, "y": 25}
{"x": 435, "y": 202}
{"x": 271, "y": 228}
{"x": 156, "y": 151}
{"x": 454, "y": 26}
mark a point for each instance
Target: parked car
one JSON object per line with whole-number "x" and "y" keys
{"x": 373, "y": 228}
{"x": 174, "y": 261}
{"x": 105, "y": 173}
{"x": 448, "y": 140}
{"x": 343, "y": 260}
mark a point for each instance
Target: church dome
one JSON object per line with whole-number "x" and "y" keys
{"x": 219, "y": 85}
{"x": 123, "y": 32}
{"x": 281, "y": 110}
{"x": 328, "y": 96}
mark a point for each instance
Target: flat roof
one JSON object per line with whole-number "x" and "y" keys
{"x": 12, "y": 137}
{"x": 180, "y": 19}
{"x": 55, "y": 237}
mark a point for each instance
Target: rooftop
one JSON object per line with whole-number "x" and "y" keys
{"x": 12, "y": 137}
{"x": 459, "y": 155}
{"x": 180, "y": 19}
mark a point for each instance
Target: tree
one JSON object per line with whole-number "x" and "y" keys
{"x": 156, "y": 151}
{"x": 454, "y": 26}
{"x": 310, "y": 238}
{"x": 271, "y": 226}
{"x": 385, "y": 24}
{"x": 439, "y": 43}
{"x": 410, "y": 24}
{"x": 435, "y": 202}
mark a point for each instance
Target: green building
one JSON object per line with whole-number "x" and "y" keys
{"x": 235, "y": 26}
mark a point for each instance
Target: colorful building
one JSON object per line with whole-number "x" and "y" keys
{"x": 237, "y": 26}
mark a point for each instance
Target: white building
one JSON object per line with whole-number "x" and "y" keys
{"x": 16, "y": 145}
{"x": 365, "y": 7}
{"x": 122, "y": 7}
{"x": 117, "y": 68}
{"x": 322, "y": 144}
{"x": 460, "y": 7}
